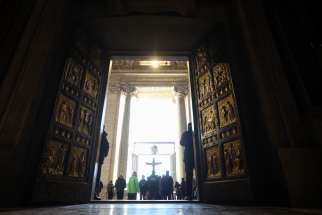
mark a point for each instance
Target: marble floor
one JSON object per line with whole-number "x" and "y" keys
{"x": 156, "y": 209}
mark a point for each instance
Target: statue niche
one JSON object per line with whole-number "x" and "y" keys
{"x": 204, "y": 83}
{"x": 233, "y": 159}
{"x": 91, "y": 85}
{"x": 208, "y": 120}
{"x": 85, "y": 120}
{"x": 220, "y": 74}
{"x": 227, "y": 113}
{"x": 65, "y": 111}
{"x": 77, "y": 162}
{"x": 54, "y": 162}
{"x": 213, "y": 162}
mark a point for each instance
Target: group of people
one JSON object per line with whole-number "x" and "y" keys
{"x": 153, "y": 188}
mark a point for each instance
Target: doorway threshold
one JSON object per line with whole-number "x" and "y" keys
{"x": 143, "y": 201}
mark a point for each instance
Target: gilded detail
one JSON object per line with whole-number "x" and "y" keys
{"x": 85, "y": 120}
{"x": 54, "y": 162}
{"x": 213, "y": 162}
{"x": 73, "y": 72}
{"x": 65, "y": 111}
{"x": 227, "y": 113}
{"x": 91, "y": 85}
{"x": 77, "y": 162}
{"x": 208, "y": 120}
{"x": 220, "y": 74}
{"x": 201, "y": 56}
{"x": 233, "y": 159}
{"x": 205, "y": 86}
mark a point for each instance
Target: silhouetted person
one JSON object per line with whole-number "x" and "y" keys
{"x": 183, "y": 190}
{"x": 187, "y": 141}
{"x": 133, "y": 187}
{"x": 167, "y": 186}
{"x": 104, "y": 148}
{"x": 154, "y": 186}
{"x": 143, "y": 188}
{"x": 120, "y": 185}
{"x": 177, "y": 186}
{"x": 110, "y": 190}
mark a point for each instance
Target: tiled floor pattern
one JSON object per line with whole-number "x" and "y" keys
{"x": 156, "y": 209}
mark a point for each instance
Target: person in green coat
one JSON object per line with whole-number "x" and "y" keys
{"x": 133, "y": 187}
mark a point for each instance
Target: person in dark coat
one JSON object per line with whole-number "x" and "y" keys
{"x": 110, "y": 190}
{"x": 120, "y": 185}
{"x": 187, "y": 141}
{"x": 143, "y": 188}
{"x": 167, "y": 186}
{"x": 177, "y": 186}
{"x": 183, "y": 190}
{"x": 153, "y": 187}
{"x": 104, "y": 148}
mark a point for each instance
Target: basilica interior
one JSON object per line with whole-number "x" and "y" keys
{"x": 246, "y": 74}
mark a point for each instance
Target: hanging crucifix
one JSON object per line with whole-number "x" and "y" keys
{"x": 153, "y": 164}
{"x": 154, "y": 150}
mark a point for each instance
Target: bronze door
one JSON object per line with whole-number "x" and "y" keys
{"x": 219, "y": 146}
{"x": 69, "y": 153}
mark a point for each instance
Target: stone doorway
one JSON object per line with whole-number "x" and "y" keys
{"x": 134, "y": 83}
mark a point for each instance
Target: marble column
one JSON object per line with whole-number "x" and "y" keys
{"x": 181, "y": 93}
{"x": 124, "y": 144}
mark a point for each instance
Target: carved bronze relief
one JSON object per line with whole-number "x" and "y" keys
{"x": 204, "y": 85}
{"x": 91, "y": 85}
{"x": 213, "y": 162}
{"x": 85, "y": 118}
{"x": 221, "y": 74}
{"x": 55, "y": 158}
{"x": 208, "y": 120}
{"x": 227, "y": 113}
{"x": 234, "y": 163}
{"x": 201, "y": 56}
{"x": 73, "y": 72}
{"x": 65, "y": 111}
{"x": 77, "y": 162}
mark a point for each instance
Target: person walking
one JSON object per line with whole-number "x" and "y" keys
{"x": 133, "y": 187}
{"x": 187, "y": 141}
{"x": 120, "y": 185}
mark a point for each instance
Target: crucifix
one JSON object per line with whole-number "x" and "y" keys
{"x": 153, "y": 164}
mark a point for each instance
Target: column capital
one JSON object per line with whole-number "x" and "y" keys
{"x": 181, "y": 90}
{"x": 127, "y": 89}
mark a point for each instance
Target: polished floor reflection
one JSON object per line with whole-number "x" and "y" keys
{"x": 156, "y": 209}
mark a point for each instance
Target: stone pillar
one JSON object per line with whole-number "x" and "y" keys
{"x": 180, "y": 92}
{"x": 124, "y": 144}
{"x": 111, "y": 124}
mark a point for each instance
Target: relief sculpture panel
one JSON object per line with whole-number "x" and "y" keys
{"x": 227, "y": 113}
{"x": 204, "y": 85}
{"x": 73, "y": 72}
{"x": 91, "y": 85}
{"x": 233, "y": 159}
{"x": 65, "y": 111}
{"x": 208, "y": 120}
{"x": 221, "y": 74}
{"x": 85, "y": 118}
{"x": 77, "y": 162}
{"x": 213, "y": 162}
{"x": 55, "y": 158}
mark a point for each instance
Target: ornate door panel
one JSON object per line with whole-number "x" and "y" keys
{"x": 66, "y": 165}
{"x": 221, "y": 149}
